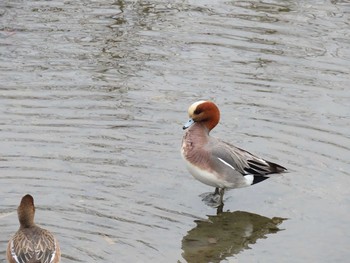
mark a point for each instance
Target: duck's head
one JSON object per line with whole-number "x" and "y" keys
{"x": 26, "y": 211}
{"x": 204, "y": 112}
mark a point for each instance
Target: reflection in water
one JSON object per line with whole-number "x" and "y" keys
{"x": 226, "y": 234}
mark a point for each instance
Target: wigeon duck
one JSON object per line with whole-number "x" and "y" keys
{"x": 215, "y": 162}
{"x": 31, "y": 244}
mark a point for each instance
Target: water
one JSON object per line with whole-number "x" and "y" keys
{"x": 93, "y": 97}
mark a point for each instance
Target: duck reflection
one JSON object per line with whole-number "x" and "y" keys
{"x": 226, "y": 234}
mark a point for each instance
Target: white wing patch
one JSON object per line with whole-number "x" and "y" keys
{"x": 229, "y": 165}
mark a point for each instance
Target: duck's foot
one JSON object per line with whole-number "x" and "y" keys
{"x": 211, "y": 199}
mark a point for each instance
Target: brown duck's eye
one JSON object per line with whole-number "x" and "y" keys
{"x": 197, "y": 111}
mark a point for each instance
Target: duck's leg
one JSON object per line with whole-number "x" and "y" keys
{"x": 219, "y": 209}
{"x": 216, "y": 191}
{"x": 221, "y": 205}
{"x": 221, "y": 192}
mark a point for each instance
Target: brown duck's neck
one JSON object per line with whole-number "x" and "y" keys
{"x": 26, "y": 222}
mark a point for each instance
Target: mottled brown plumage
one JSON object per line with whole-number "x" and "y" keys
{"x": 31, "y": 243}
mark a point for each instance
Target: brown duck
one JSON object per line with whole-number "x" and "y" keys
{"x": 31, "y": 244}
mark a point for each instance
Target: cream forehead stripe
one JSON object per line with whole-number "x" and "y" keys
{"x": 193, "y": 107}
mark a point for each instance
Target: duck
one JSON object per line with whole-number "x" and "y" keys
{"x": 215, "y": 162}
{"x": 31, "y": 243}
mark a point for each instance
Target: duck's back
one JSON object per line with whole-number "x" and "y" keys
{"x": 32, "y": 245}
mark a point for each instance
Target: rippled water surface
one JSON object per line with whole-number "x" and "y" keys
{"x": 92, "y": 101}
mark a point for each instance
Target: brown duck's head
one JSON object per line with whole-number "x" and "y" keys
{"x": 26, "y": 211}
{"x": 205, "y": 112}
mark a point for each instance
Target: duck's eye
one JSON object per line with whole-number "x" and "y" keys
{"x": 197, "y": 111}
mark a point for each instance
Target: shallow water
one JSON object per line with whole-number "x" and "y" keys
{"x": 93, "y": 97}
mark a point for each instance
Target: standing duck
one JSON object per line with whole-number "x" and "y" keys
{"x": 31, "y": 244}
{"x": 215, "y": 162}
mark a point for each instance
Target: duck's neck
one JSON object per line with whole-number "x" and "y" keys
{"x": 199, "y": 128}
{"x": 26, "y": 219}
{"x": 198, "y": 134}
